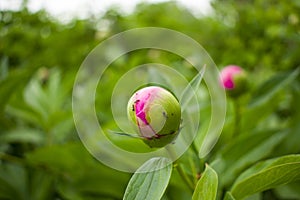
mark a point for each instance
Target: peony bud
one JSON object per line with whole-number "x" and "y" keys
{"x": 157, "y": 115}
{"x": 234, "y": 80}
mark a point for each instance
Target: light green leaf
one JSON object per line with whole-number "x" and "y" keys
{"x": 207, "y": 186}
{"x": 191, "y": 89}
{"x": 266, "y": 175}
{"x": 268, "y": 89}
{"x": 25, "y": 135}
{"x": 150, "y": 180}
{"x": 36, "y": 98}
{"x": 24, "y": 112}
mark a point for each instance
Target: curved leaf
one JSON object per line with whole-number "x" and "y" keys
{"x": 266, "y": 175}
{"x": 189, "y": 91}
{"x": 245, "y": 151}
{"x": 150, "y": 180}
{"x": 25, "y": 135}
{"x": 207, "y": 186}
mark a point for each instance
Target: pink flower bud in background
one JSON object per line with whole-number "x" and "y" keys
{"x": 234, "y": 80}
{"x": 156, "y": 114}
{"x": 227, "y": 76}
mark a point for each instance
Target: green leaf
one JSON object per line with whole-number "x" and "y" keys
{"x": 229, "y": 196}
{"x": 13, "y": 182}
{"x": 244, "y": 151}
{"x": 12, "y": 83}
{"x": 191, "y": 89}
{"x": 150, "y": 180}
{"x": 78, "y": 174}
{"x": 3, "y": 67}
{"x": 41, "y": 185}
{"x": 36, "y": 98}
{"x": 207, "y": 186}
{"x": 269, "y": 88}
{"x": 289, "y": 191}
{"x": 267, "y": 175}
{"x": 22, "y": 111}
{"x": 23, "y": 135}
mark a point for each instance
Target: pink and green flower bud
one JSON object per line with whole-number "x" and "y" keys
{"x": 156, "y": 114}
{"x": 234, "y": 80}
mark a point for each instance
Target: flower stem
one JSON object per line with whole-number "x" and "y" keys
{"x": 180, "y": 170}
{"x": 184, "y": 177}
{"x": 237, "y": 117}
{"x": 194, "y": 149}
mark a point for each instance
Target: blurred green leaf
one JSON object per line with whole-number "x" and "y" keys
{"x": 45, "y": 104}
{"x": 244, "y": 151}
{"x": 3, "y": 67}
{"x": 23, "y": 112}
{"x": 49, "y": 98}
{"x": 23, "y": 135}
{"x": 13, "y": 182}
{"x": 207, "y": 186}
{"x": 41, "y": 185}
{"x": 266, "y": 175}
{"x": 12, "y": 83}
{"x": 36, "y": 98}
{"x": 193, "y": 86}
{"x": 289, "y": 191}
{"x": 150, "y": 180}
{"x": 269, "y": 88}
{"x": 79, "y": 175}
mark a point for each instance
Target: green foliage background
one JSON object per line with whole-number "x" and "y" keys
{"x": 41, "y": 156}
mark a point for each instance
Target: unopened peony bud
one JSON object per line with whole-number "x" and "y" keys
{"x": 157, "y": 115}
{"x": 234, "y": 79}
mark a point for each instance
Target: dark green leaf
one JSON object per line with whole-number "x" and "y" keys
{"x": 12, "y": 83}
{"x": 13, "y": 182}
{"x": 41, "y": 185}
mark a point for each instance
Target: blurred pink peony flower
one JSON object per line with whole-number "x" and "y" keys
{"x": 227, "y": 76}
{"x": 234, "y": 79}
